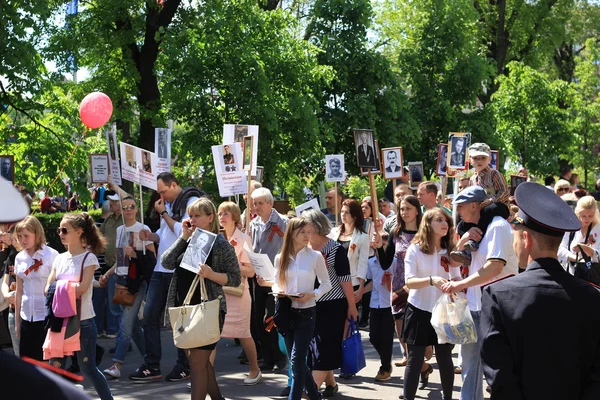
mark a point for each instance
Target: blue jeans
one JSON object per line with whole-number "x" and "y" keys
{"x": 105, "y": 322}
{"x": 297, "y": 340}
{"x": 472, "y": 367}
{"x": 156, "y": 301}
{"x": 86, "y": 358}
{"x": 130, "y": 328}
{"x": 115, "y": 309}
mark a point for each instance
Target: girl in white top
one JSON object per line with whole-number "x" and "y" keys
{"x": 32, "y": 268}
{"x": 588, "y": 238}
{"x": 296, "y": 268}
{"x": 426, "y": 270}
{"x": 81, "y": 237}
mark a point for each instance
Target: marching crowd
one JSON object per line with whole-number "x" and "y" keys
{"x": 515, "y": 260}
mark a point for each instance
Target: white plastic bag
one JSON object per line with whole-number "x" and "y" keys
{"x": 452, "y": 320}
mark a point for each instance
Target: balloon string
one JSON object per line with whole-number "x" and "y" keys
{"x": 67, "y": 162}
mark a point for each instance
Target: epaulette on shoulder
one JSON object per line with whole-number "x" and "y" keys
{"x": 497, "y": 280}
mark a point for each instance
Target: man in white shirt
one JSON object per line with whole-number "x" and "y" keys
{"x": 170, "y": 208}
{"x": 495, "y": 257}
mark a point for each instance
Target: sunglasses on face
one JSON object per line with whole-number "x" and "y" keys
{"x": 63, "y": 231}
{"x": 130, "y": 207}
{"x": 562, "y": 189}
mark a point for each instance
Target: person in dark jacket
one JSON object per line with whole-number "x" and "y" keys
{"x": 523, "y": 316}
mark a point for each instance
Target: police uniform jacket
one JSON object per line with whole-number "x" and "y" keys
{"x": 541, "y": 335}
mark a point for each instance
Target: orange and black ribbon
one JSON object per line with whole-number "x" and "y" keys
{"x": 387, "y": 280}
{"x": 36, "y": 265}
{"x": 275, "y": 229}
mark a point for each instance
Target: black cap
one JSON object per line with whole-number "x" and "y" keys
{"x": 543, "y": 211}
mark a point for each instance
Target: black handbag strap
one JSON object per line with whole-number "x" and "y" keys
{"x": 585, "y": 257}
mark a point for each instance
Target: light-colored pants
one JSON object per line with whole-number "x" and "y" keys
{"x": 472, "y": 367}
{"x": 13, "y": 333}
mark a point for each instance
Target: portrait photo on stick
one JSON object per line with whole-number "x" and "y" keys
{"x": 459, "y": 144}
{"x": 364, "y": 143}
{"x": 442, "y": 164}
{"x": 334, "y": 168}
{"x": 392, "y": 162}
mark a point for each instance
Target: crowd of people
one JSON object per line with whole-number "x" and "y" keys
{"x": 383, "y": 268}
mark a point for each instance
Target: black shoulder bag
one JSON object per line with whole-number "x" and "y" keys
{"x": 587, "y": 270}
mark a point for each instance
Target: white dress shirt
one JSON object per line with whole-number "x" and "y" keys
{"x": 33, "y": 300}
{"x": 301, "y": 274}
{"x": 579, "y": 237}
{"x": 168, "y": 236}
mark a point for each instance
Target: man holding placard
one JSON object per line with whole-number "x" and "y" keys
{"x": 266, "y": 231}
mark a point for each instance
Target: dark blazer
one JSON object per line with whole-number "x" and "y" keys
{"x": 367, "y": 160}
{"x": 541, "y": 335}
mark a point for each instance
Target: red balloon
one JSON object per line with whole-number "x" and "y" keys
{"x": 95, "y": 110}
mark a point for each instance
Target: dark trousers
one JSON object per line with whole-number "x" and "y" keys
{"x": 264, "y": 306}
{"x": 381, "y": 335}
{"x": 487, "y": 215}
{"x": 254, "y": 331}
{"x": 33, "y": 335}
{"x": 416, "y": 356}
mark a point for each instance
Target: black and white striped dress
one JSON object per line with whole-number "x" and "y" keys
{"x": 326, "y": 347}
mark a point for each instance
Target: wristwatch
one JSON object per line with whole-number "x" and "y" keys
{"x": 163, "y": 212}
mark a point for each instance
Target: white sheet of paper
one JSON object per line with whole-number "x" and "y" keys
{"x": 262, "y": 264}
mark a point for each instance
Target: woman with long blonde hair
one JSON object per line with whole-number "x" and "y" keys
{"x": 586, "y": 239}
{"x": 296, "y": 268}
{"x": 427, "y": 269}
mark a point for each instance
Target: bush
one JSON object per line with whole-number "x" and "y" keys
{"x": 51, "y": 223}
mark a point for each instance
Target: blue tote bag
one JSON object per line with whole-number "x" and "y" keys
{"x": 353, "y": 355}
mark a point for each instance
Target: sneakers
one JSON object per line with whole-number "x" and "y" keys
{"x": 146, "y": 374}
{"x": 111, "y": 336}
{"x": 330, "y": 391}
{"x": 471, "y": 245}
{"x": 189, "y": 386}
{"x": 177, "y": 374}
{"x": 462, "y": 257}
{"x": 383, "y": 376}
{"x": 253, "y": 381}
{"x": 113, "y": 372}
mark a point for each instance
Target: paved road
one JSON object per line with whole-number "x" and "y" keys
{"x": 230, "y": 375}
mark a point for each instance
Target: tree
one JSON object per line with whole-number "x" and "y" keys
{"x": 529, "y": 117}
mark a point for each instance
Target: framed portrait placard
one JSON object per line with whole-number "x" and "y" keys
{"x": 259, "y": 174}
{"x": 237, "y": 133}
{"x": 162, "y": 148}
{"x": 139, "y": 165}
{"x": 7, "y": 167}
{"x": 442, "y": 162}
{"x": 415, "y": 171}
{"x": 113, "y": 156}
{"x": 231, "y": 178}
{"x": 247, "y": 146}
{"x": 312, "y": 204}
{"x": 366, "y": 153}
{"x": 375, "y": 170}
{"x": 334, "y": 168}
{"x": 392, "y": 160}
{"x": 458, "y": 150}
{"x": 516, "y": 180}
{"x": 495, "y": 160}
{"x": 99, "y": 168}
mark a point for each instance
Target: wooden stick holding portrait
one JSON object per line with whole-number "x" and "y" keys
{"x": 247, "y": 147}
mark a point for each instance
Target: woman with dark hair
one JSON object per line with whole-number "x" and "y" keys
{"x": 408, "y": 220}
{"x": 81, "y": 237}
{"x": 427, "y": 261}
{"x": 221, "y": 268}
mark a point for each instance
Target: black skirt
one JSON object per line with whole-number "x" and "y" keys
{"x": 325, "y": 353}
{"x": 417, "y": 328}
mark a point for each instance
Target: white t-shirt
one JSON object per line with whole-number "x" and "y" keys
{"x": 130, "y": 236}
{"x": 168, "y": 237}
{"x": 579, "y": 237}
{"x": 68, "y": 267}
{"x": 497, "y": 244}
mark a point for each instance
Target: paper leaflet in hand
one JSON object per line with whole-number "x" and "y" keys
{"x": 261, "y": 263}
{"x": 199, "y": 247}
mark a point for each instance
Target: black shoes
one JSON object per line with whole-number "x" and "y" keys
{"x": 425, "y": 377}
{"x": 146, "y": 374}
{"x": 177, "y": 374}
{"x": 285, "y": 392}
{"x": 330, "y": 391}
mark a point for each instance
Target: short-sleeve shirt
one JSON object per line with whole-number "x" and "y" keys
{"x": 68, "y": 267}
{"x": 167, "y": 236}
{"x": 497, "y": 244}
{"x": 380, "y": 295}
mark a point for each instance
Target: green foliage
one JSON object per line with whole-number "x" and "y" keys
{"x": 358, "y": 187}
{"x": 51, "y": 223}
{"x": 529, "y": 117}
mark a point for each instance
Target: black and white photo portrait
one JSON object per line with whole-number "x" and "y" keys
{"x": 239, "y": 132}
{"x": 161, "y": 150}
{"x": 7, "y": 167}
{"x": 494, "y": 159}
{"x": 415, "y": 170}
{"x": 392, "y": 162}
{"x": 459, "y": 145}
{"x": 112, "y": 148}
{"x": 516, "y": 180}
{"x": 228, "y": 157}
{"x": 364, "y": 141}
{"x": 147, "y": 161}
{"x": 198, "y": 250}
{"x": 259, "y": 174}
{"x": 334, "y": 168}
{"x": 442, "y": 163}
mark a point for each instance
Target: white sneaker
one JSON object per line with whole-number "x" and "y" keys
{"x": 189, "y": 386}
{"x": 113, "y": 372}
{"x": 253, "y": 381}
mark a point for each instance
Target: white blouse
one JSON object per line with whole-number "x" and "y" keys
{"x": 421, "y": 265}
{"x": 68, "y": 267}
{"x": 301, "y": 274}
{"x": 564, "y": 251}
{"x": 33, "y": 300}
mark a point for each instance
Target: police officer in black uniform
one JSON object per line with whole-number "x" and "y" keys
{"x": 542, "y": 327}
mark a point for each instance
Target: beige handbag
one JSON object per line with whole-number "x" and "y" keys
{"x": 196, "y": 325}
{"x": 237, "y": 291}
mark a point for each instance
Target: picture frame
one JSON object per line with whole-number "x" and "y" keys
{"x": 375, "y": 170}
{"x": 458, "y": 150}
{"x": 416, "y": 173}
{"x": 442, "y": 160}
{"x": 365, "y": 147}
{"x": 312, "y": 204}
{"x": 392, "y": 159}
{"x": 7, "y": 167}
{"x": 259, "y": 174}
{"x": 247, "y": 150}
{"x": 495, "y": 160}
{"x": 99, "y": 168}
{"x": 335, "y": 168}
{"x": 516, "y": 180}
